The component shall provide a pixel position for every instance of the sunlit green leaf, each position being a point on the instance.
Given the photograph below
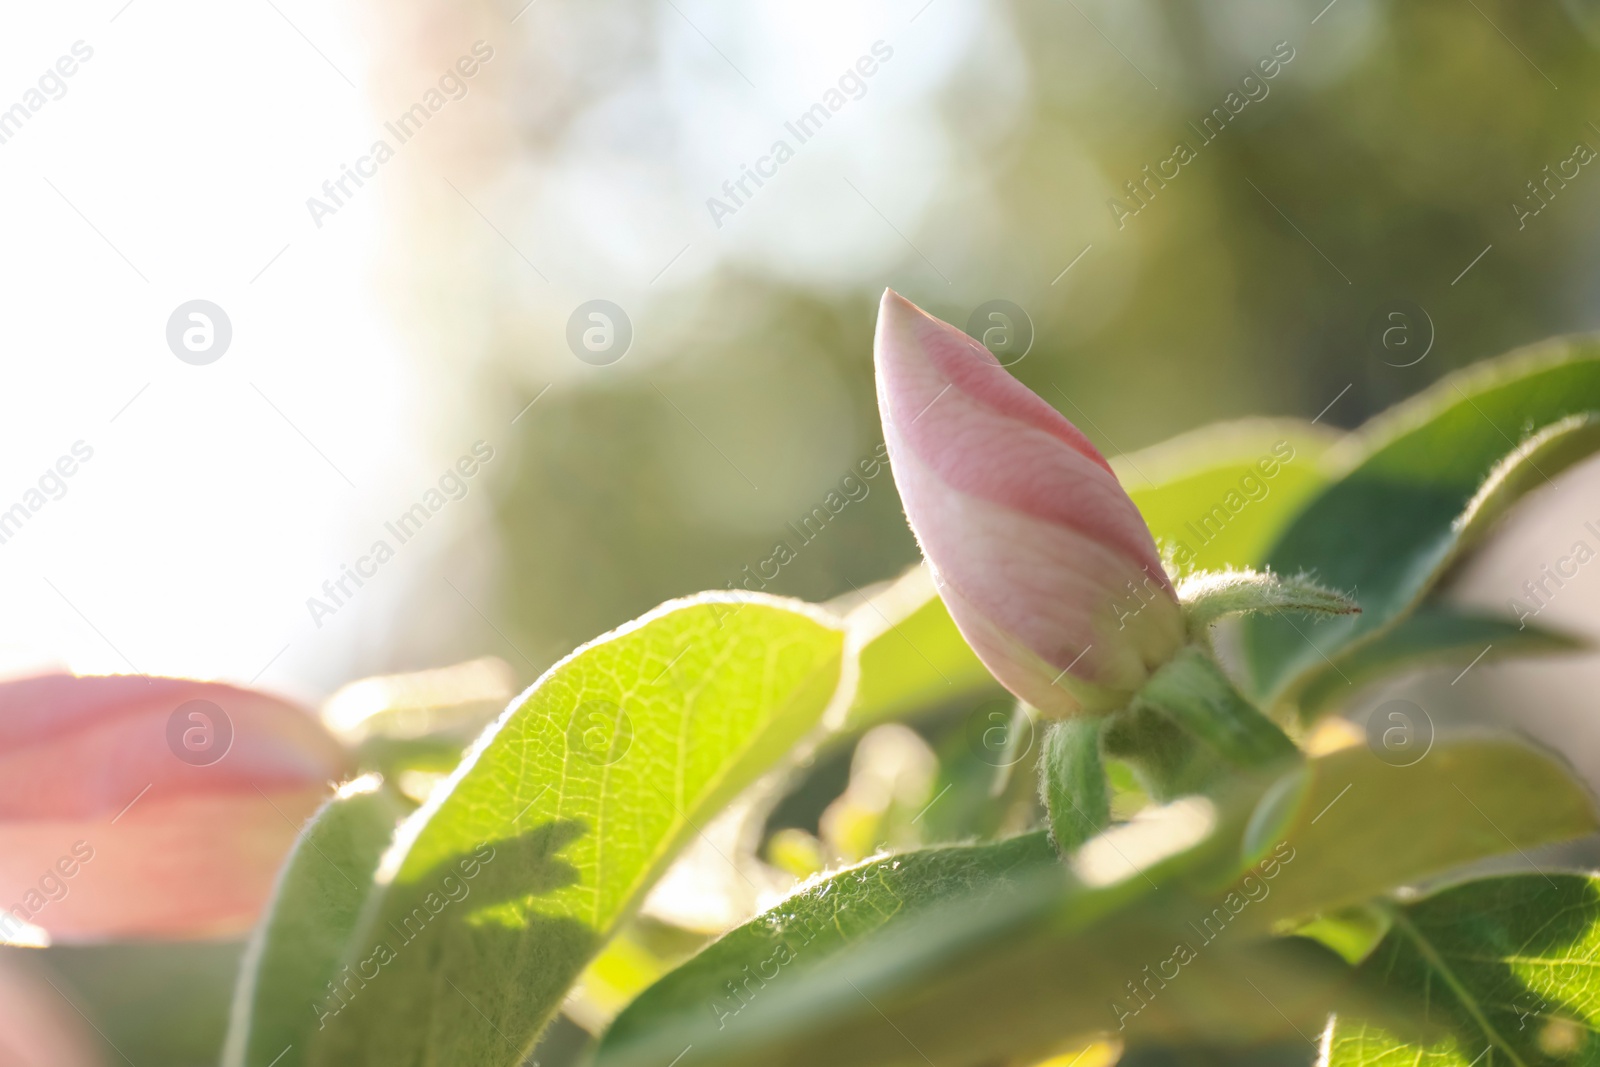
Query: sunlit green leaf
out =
(1351, 932)
(1507, 971)
(1058, 956)
(980, 970)
(820, 920)
(1217, 497)
(511, 878)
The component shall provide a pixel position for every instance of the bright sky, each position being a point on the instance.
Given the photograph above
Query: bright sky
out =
(173, 165)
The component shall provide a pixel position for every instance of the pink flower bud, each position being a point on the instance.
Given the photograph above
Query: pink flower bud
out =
(149, 807)
(1046, 566)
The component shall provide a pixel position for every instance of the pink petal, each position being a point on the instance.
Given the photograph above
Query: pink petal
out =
(176, 847)
(1044, 562)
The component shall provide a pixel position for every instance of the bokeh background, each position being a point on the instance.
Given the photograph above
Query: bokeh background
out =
(375, 344)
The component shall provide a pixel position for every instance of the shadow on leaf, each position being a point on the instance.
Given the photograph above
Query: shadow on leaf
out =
(430, 964)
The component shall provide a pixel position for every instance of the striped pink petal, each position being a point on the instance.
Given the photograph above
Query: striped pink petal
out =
(1043, 561)
(135, 806)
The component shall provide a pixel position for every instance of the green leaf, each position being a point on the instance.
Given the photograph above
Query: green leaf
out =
(1029, 968)
(1218, 496)
(1351, 932)
(1362, 826)
(1193, 692)
(298, 945)
(1188, 728)
(1072, 783)
(1435, 634)
(518, 869)
(817, 922)
(1426, 480)
(984, 976)
(1507, 971)
(912, 655)
(1167, 761)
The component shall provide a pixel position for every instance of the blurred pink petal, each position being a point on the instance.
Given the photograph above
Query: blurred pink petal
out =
(1045, 564)
(38, 1026)
(149, 807)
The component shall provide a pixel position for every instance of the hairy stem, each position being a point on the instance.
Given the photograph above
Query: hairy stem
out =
(1072, 783)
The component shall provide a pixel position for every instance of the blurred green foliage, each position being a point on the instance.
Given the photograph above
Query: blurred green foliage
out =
(1386, 156)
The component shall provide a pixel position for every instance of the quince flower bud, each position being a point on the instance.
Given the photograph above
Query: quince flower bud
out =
(1045, 564)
